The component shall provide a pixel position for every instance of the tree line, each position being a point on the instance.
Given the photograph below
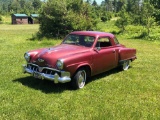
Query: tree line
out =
(58, 17)
(20, 6)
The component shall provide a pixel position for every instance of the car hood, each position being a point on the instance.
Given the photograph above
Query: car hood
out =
(49, 56)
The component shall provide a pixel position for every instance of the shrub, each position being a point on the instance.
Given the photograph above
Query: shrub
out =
(106, 16)
(62, 16)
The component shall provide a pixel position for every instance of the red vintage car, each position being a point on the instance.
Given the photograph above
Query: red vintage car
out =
(81, 54)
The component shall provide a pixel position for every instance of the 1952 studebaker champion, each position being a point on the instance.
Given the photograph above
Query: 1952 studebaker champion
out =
(81, 54)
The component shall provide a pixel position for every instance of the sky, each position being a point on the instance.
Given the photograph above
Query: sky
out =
(99, 1)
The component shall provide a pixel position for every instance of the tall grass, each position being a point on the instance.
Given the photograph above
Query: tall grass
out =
(132, 94)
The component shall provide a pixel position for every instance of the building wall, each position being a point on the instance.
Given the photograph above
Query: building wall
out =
(19, 20)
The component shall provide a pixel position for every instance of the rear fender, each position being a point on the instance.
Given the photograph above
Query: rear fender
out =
(127, 54)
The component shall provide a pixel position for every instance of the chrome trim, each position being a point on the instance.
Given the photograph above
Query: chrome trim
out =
(62, 78)
(44, 67)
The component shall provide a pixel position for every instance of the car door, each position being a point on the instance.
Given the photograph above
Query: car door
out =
(104, 56)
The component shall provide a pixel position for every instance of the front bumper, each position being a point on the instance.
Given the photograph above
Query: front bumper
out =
(47, 73)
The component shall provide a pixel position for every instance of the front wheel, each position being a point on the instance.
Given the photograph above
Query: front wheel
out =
(79, 79)
(126, 65)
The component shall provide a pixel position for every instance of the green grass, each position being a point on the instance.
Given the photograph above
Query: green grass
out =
(132, 94)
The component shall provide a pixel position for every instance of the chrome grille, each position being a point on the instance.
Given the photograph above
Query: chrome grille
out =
(45, 70)
(32, 67)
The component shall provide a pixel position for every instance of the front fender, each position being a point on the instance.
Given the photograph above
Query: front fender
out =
(73, 63)
(74, 67)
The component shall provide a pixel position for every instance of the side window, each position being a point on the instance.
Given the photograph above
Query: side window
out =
(103, 42)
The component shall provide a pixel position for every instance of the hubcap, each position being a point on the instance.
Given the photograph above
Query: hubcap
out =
(82, 79)
(126, 65)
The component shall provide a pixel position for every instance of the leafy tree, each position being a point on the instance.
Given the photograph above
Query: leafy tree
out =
(123, 20)
(134, 8)
(156, 5)
(15, 6)
(120, 4)
(115, 5)
(106, 16)
(107, 5)
(147, 16)
(22, 3)
(94, 3)
(36, 4)
(88, 1)
(129, 6)
(20, 6)
(28, 8)
(62, 16)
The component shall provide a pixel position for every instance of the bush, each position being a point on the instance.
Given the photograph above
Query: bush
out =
(60, 17)
(106, 16)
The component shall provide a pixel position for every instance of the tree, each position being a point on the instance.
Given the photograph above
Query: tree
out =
(129, 6)
(120, 4)
(94, 3)
(20, 6)
(134, 8)
(22, 3)
(60, 17)
(28, 8)
(15, 6)
(115, 5)
(147, 16)
(156, 5)
(36, 4)
(123, 20)
(88, 1)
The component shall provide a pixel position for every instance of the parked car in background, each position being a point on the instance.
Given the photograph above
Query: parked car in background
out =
(81, 54)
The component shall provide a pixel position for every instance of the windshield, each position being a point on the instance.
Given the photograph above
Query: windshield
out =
(81, 40)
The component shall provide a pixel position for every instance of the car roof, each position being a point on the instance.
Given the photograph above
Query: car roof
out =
(93, 33)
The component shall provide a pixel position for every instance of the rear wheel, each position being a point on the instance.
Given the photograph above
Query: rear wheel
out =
(126, 65)
(79, 79)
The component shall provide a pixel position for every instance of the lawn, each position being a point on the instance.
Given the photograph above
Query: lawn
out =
(132, 94)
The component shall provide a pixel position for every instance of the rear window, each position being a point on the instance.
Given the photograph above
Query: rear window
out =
(116, 40)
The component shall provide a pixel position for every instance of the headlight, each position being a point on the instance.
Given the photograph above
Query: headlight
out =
(27, 57)
(59, 64)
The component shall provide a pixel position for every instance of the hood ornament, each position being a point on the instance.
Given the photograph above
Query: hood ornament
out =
(40, 60)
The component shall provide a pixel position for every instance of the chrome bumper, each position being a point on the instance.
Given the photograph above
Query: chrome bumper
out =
(63, 78)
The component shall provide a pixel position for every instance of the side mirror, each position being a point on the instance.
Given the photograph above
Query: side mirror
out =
(97, 48)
